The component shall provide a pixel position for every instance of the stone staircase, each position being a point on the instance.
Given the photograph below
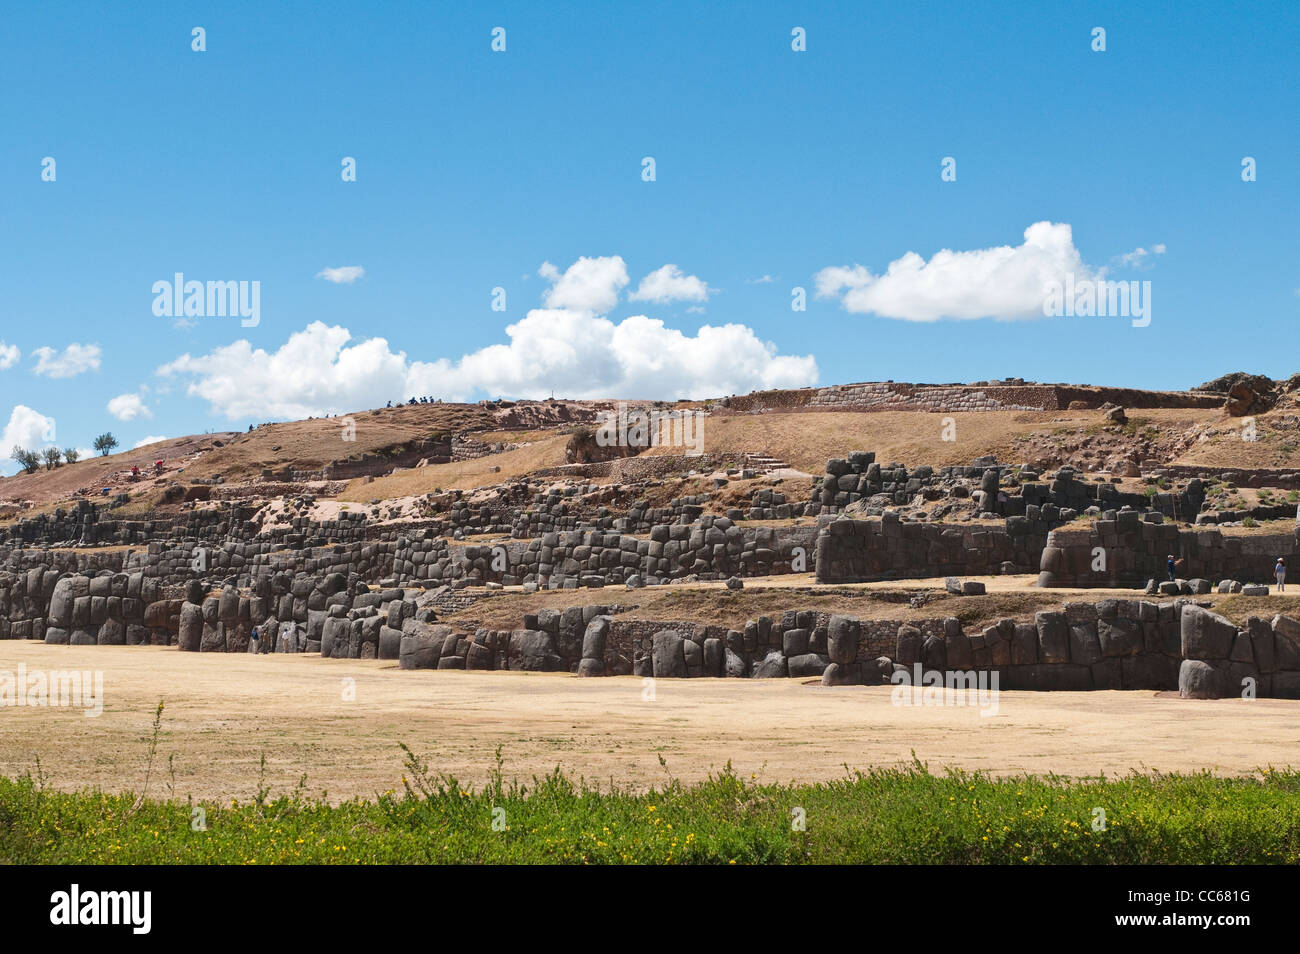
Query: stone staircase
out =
(763, 463)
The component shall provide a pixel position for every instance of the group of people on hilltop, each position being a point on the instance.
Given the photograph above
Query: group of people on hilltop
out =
(428, 399)
(1279, 570)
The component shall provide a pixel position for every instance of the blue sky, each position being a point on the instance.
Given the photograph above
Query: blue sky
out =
(476, 168)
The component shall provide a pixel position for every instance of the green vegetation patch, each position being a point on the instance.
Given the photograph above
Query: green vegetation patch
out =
(907, 816)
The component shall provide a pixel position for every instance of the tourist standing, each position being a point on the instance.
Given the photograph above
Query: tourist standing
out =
(1279, 571)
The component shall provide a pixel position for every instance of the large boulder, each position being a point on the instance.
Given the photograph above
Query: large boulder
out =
(668, 654)
(533, 650)
(1119, 637)
(228, 605)
(1205, 635)
(907, 647)
(593, 638)
(1085, 647)
(191, 628)
(807, 664)
(213, 638)
(1200, 680)
(735, 665)
(60, 613)
(334, 638)
(390, 642)
(837, 674)
(112, 633)
(714, 650)
(843, 635)
(771, 666)
(421, 645)
(1286, 642)
(1053, 637)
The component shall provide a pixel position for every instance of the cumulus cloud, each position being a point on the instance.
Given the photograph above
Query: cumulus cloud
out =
(571, 351)
(589, 284)
(9, 355)
(322, 370)
(1004, 282)
(151, 439)
(68, 363)
(669, 284)
(343, 275)
(1138, 258)
(127, 407)
(28, 429)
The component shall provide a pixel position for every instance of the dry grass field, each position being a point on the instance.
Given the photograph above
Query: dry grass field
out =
(461, 475)
(224, 712)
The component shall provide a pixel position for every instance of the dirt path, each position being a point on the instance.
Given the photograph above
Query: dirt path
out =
(222, 712)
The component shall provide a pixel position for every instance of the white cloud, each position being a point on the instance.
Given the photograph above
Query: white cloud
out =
(9, 355)
(669, 284)
(569, 351)
(127, 407)
(1003, 282)
(28, 429)
(589, 284)
(73, 360)
(765, 280)
(151, 439)
(1138, 257)
(320, 370)
(343, 275)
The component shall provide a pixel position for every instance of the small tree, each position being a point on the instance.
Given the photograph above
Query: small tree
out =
(26, 459)
(104, 444)
(53, 457)
(71, 455)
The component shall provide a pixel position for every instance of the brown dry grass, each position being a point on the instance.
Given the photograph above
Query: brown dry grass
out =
(310, 445)
(1276, 449)
(46, 488)
(713, 604)
(461, 475)
(806, 440)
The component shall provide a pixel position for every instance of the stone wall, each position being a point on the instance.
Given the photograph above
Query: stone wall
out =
(888, 548)
(957, 398)
(1113, 644)
(1220, 660)
(1127, 550)
(995, 489)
